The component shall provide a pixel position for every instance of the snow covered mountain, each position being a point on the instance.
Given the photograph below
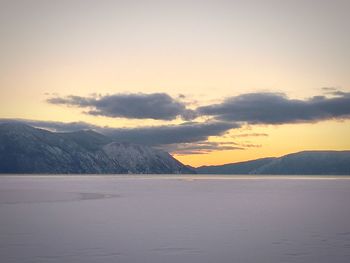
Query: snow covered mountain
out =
(303, 163)
(24, 149)
(142, 159)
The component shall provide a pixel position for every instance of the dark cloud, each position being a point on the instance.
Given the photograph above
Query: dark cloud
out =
(169, 134)
(158, 106)
(154, 136)
(277, 108)
(191, 137)
(252, 108)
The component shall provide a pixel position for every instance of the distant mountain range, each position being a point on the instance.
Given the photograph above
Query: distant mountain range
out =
(24, 149)
(303, 163)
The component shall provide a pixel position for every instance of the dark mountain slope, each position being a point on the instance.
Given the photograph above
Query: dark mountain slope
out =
(309, 162)
(234, 168)
(24, 149)
(306, 162)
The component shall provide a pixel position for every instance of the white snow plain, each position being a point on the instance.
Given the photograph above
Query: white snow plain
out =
(172, 219)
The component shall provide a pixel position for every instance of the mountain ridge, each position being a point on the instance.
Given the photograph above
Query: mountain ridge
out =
(309, 162)
(25, 149)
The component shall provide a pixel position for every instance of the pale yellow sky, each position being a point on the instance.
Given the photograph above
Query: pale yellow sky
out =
(280, 140)
(206, 50)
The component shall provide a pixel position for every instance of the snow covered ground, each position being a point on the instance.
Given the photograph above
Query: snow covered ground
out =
(176, 219)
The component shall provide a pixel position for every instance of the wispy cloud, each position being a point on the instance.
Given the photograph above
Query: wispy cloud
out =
(201, 147)
(249, 135)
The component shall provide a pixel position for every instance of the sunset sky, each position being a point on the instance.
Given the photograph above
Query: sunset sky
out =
(210, 81)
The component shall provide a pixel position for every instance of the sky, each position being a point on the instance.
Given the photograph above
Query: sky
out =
(210, 81)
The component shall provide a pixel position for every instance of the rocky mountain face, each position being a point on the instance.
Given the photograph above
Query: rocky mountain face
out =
(24, 149)
(303, 163)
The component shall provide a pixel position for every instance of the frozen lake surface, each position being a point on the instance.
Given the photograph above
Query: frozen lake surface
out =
(175, 219)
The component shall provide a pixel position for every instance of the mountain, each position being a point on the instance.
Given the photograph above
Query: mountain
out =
(234, 168)
(309, 162)
(141, 159)
(304, 163)
(24, 149)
